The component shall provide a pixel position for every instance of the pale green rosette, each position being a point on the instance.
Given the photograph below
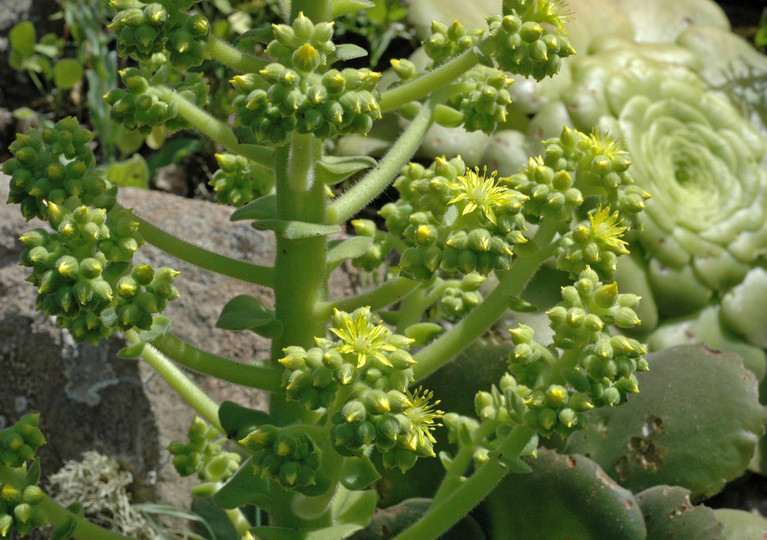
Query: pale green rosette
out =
(706, 223)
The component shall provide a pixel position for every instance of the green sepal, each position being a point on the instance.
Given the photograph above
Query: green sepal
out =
(348, 51)
(244, 488)
(33, 473)
(160, 327)
(353, 507)
(336, 532)
(238, 421)
(295, 229)
(513, 464)
(339, 8)
(262, 208)
(66, 530)
(349, 248)
(358, 473)
(520, 306)
(423, 332)
(245, 312)
(132, 351)
(334, 169)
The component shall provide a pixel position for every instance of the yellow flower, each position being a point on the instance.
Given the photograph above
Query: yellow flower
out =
(422, 416)
(484, 192)
(361, 336)
(607, 229)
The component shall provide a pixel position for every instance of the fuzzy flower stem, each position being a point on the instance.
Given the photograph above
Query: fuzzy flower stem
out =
(265, 378)
(209, 126)
(182, 384)
(228, 55)
(244, 271)
(385, 295)
(454, 474)
(445, 514)
(422, 86)
(512, 282)
(364, 191)
(58, 515)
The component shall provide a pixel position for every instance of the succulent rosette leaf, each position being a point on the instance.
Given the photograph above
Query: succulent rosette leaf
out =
(705, 225)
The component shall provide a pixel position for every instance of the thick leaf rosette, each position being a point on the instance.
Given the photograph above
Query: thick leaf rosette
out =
(706, 224)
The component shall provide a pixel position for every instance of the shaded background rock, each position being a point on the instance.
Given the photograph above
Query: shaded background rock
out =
(89, 398)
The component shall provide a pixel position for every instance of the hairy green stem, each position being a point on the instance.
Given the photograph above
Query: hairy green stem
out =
(211, 127)
(422, 86)
(244, 271)
(460, 463)
(265, 378)
(380, 297)
(512, 282)
(460, 502)
(57, 514)
(182, 384)
(236, 59)
(364, 191)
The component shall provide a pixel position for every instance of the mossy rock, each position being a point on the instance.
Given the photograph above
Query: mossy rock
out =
(695, 423)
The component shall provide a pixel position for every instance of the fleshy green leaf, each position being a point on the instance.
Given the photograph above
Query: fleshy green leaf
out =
(295, 229)
(33, 473)
(349, 51)
(160, 326)
(22, 37)
(334, 169)
(262, 208)
(132, 172)
(244, 488)
(65, 530)
(358, 473)
(245, 312)
(66, 73)
(238, 421)
(132, 351)
(353, 507)
(423, 332)
(343, 7)
(669, 514)
(349, 248)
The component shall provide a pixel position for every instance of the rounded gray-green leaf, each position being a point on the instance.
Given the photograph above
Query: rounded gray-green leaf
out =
(743, 308)
(695, 423)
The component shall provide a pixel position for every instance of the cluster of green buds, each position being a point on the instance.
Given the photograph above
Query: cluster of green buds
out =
(594, 369)
(449, 41)
(529, 37)
(497, 411)
(18, 508)
(362, 380)
(56, 165)
(459, 297)
(376, 253)
(237, 181)
(19, 442)
(87, 258)
(303, 94)
(203, 454)
(454, 219)
(138, 107)
(144, 29)
(18, 499)
(481, 101)
(287, 455)
(596, 244)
